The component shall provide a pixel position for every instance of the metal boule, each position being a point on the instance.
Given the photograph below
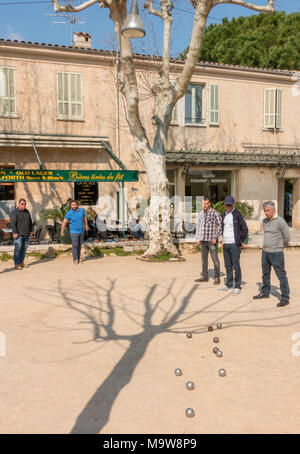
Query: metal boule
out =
(219, 354)
(190, 385)
(216, 340)
(189, 412)
(219, 325)
(178, 372)
(215, 350)
(210, 328)
(189, 335)
(222, 372)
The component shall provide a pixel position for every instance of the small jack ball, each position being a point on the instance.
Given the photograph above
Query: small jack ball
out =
(215, 350)
(210, 328)
(216, 340)
(178, 372)
(189, 335)
(189, 412)
(219, 325)
(222, 372)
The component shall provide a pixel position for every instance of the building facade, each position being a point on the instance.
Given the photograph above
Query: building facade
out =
(235, 132)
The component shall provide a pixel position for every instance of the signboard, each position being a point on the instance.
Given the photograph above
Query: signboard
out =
(45, 175)
(86, 193)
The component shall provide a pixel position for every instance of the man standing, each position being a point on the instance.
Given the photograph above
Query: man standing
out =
(22, 229)
(276, 237)
(235, 231)
(207, 234)
(78, 223)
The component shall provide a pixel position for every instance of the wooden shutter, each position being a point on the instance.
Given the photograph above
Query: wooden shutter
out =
(7, 91)
(69, 96)
(278, 109)
(214, 105)
(269, 107)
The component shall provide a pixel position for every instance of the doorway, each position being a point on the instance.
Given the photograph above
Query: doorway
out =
(288, 202)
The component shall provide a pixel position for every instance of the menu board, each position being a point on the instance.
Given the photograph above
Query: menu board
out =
(86, 193)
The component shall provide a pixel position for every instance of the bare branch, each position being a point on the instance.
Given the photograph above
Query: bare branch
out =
(72, 9)
(262, 9)
(149, 5)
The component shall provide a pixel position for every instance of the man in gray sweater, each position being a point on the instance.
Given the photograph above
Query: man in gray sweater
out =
(276, 237)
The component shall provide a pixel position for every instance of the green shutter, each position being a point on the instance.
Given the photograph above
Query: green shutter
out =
(214, 105)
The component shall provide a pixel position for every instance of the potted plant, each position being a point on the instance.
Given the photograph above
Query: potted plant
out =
(58, 214)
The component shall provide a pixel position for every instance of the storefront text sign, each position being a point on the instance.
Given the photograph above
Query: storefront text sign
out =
(14, 175)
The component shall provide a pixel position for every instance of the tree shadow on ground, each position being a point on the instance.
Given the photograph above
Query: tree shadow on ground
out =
(102, 318)
(164, 309)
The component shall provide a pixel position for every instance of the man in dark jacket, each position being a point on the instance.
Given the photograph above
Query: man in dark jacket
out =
(22, 229)
(234, 231)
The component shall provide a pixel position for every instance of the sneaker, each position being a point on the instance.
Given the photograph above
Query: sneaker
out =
(18, 267)
(202, 279)
(236, 291)
(23, 265)
(217, 281)
(224, 289)
(283, 303)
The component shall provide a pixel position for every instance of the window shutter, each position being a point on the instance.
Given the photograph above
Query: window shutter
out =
(7, 91)
(69, 99)
(278, 109)
(269, 107)
(214, 111)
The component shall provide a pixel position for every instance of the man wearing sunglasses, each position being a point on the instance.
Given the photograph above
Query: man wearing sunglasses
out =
(22, 229)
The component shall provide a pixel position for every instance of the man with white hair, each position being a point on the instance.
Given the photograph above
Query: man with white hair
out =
(276, 237)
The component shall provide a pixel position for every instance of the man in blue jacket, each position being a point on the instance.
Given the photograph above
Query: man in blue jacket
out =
(234, 231)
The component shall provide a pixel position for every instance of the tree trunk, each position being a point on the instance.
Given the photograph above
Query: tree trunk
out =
(159, 208)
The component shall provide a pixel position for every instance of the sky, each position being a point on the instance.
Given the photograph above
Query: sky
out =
(33, 20)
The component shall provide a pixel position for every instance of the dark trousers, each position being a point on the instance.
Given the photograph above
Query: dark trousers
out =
(207, 246)
(21, 245)
(275, 260)
(77, 241)
(232, 255)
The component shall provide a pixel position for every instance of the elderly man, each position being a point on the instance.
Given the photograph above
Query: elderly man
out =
(276, 237)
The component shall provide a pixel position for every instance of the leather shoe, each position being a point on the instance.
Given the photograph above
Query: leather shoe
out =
(217, 281)
(283, 303)
(202, 279)
(260, 296)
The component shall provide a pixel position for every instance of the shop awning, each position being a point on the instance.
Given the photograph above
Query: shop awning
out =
(247, 158)
(51, 140)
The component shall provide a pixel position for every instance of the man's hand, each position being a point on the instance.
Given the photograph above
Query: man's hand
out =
(214, 241)
(15, 236)
(62, 233)
(198, 242)
(287, 245)
(243, 245)
(30, 235)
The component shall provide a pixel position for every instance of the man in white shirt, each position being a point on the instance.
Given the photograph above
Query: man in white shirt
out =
(235, 231)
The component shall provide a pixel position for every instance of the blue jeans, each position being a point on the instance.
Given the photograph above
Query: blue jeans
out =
(275, 259)
(77, 241)
(21, 245)
(232, 255)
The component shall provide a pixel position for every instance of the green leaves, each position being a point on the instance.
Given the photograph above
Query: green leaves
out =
(265, 41)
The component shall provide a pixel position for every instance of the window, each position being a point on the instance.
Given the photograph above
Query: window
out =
(194, 105)
(272, 108)
(214, 107)
(69, 96)
(8, 106)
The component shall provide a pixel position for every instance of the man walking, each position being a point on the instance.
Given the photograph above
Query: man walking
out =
(207, 234)
(78, 223)
(235, 231)
(276, 237)
(22, 229)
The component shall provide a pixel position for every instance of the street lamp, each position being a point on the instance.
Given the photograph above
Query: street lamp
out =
(133, 27)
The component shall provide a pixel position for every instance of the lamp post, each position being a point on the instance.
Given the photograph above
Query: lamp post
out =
(133, 27)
